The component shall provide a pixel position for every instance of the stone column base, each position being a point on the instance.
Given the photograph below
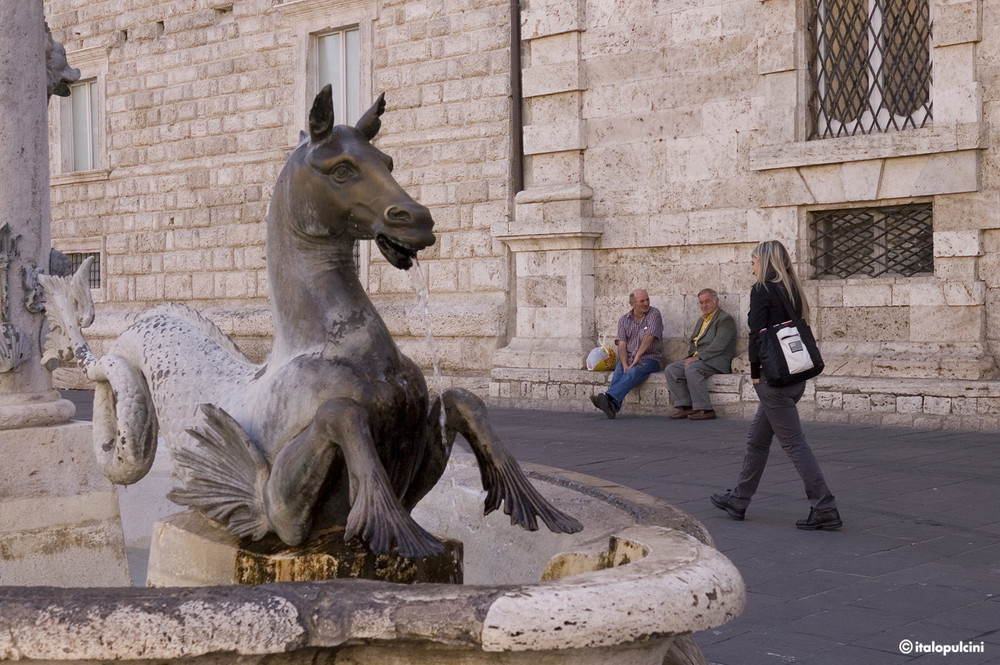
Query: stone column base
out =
(34, 410)
(189, 549)
(59, 521)
(543, 354)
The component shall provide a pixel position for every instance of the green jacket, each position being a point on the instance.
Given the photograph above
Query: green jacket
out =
(717, 346)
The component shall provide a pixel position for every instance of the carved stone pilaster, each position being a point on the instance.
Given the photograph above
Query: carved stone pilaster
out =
(553, 232)
(26, 395)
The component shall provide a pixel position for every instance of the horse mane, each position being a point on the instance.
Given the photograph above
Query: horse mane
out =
(195, 318)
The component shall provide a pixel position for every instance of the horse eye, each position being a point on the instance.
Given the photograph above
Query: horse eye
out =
(342, 172)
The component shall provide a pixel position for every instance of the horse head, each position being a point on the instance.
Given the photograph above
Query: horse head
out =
(346, 190)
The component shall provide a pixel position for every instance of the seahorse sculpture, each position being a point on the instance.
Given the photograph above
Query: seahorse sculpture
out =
(336, 427)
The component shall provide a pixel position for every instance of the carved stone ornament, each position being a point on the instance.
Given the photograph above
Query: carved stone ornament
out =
(15, 347)
(59, 74)
(34, 298)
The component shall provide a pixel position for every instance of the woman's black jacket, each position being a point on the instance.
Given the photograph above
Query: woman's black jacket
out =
(767, 309)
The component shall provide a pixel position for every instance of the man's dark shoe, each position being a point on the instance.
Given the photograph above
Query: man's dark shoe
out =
(702, 415)
(725, 502)
(603, 402)
(821, 519)
(680, 412)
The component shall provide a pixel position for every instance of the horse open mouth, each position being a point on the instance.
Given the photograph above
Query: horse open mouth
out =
(399, 255)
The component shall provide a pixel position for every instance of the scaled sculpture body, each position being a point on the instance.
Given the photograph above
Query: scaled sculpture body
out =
(336, 427)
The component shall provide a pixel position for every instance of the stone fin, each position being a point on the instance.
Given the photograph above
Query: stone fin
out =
(225, 475)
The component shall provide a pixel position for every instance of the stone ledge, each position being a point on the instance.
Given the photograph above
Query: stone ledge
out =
(940, 403)
(925, 141)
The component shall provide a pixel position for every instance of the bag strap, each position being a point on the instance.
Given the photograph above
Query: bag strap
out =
(786, 303)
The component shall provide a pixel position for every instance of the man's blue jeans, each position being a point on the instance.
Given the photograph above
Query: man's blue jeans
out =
(622, 382)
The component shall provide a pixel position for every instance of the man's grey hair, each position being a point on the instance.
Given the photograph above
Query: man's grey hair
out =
(710, 292)
(631, 296)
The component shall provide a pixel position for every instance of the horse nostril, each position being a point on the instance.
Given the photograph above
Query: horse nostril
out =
(397, 215)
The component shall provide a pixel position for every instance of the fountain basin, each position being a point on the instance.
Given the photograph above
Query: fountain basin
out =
(629, 588)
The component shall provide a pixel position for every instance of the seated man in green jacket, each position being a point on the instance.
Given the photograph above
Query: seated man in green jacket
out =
(711, 351)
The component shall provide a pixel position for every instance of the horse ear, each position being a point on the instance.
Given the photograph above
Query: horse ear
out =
(321, 115)
(370, 123)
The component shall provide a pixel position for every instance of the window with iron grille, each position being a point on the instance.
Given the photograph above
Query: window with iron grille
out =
(77, 259)
(870, 63)
(873, 242)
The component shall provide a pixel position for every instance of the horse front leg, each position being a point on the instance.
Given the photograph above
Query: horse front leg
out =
(300, 470)
(502, 477)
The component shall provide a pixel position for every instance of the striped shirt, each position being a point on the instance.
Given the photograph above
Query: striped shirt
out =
(633, 331)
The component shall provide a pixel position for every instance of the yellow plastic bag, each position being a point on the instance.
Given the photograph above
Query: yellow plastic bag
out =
(602, 358)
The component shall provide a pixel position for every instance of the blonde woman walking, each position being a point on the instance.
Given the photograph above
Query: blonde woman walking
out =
(777, 414)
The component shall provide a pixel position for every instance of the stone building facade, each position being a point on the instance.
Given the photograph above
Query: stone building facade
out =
(643, 144)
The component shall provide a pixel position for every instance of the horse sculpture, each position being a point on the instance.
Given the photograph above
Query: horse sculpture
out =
(336, 427)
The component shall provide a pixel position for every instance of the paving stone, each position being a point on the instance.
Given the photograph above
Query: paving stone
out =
(840, 623)
(980, 617)
(842, 654)
(922, 600)
(927, 633)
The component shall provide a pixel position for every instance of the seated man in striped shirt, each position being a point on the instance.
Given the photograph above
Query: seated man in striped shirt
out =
(640, 349)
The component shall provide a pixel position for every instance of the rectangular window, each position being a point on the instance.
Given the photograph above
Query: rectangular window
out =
(873, 242)
(338, 62)
(84, 126)
(77, 259)
(870, 65)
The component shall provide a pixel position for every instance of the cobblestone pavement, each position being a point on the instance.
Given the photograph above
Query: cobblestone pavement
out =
(918, 558)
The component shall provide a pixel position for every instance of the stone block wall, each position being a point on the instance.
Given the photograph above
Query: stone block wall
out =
(444, 68)
(196, 103)
(200, 105)
(672, 100)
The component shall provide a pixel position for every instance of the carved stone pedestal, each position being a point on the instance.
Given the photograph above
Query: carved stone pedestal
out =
(58, 515)
(190, 550)
(552, 241)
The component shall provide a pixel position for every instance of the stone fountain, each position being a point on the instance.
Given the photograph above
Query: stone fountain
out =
(336, 434)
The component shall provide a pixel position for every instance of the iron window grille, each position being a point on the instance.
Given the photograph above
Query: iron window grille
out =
(873, 242)
(870, 65)
(77, 259)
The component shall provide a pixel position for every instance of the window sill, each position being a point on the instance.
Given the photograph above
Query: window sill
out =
(77, 177)
(907, 143)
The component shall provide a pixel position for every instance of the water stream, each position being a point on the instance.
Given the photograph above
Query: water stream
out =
(420, 284)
